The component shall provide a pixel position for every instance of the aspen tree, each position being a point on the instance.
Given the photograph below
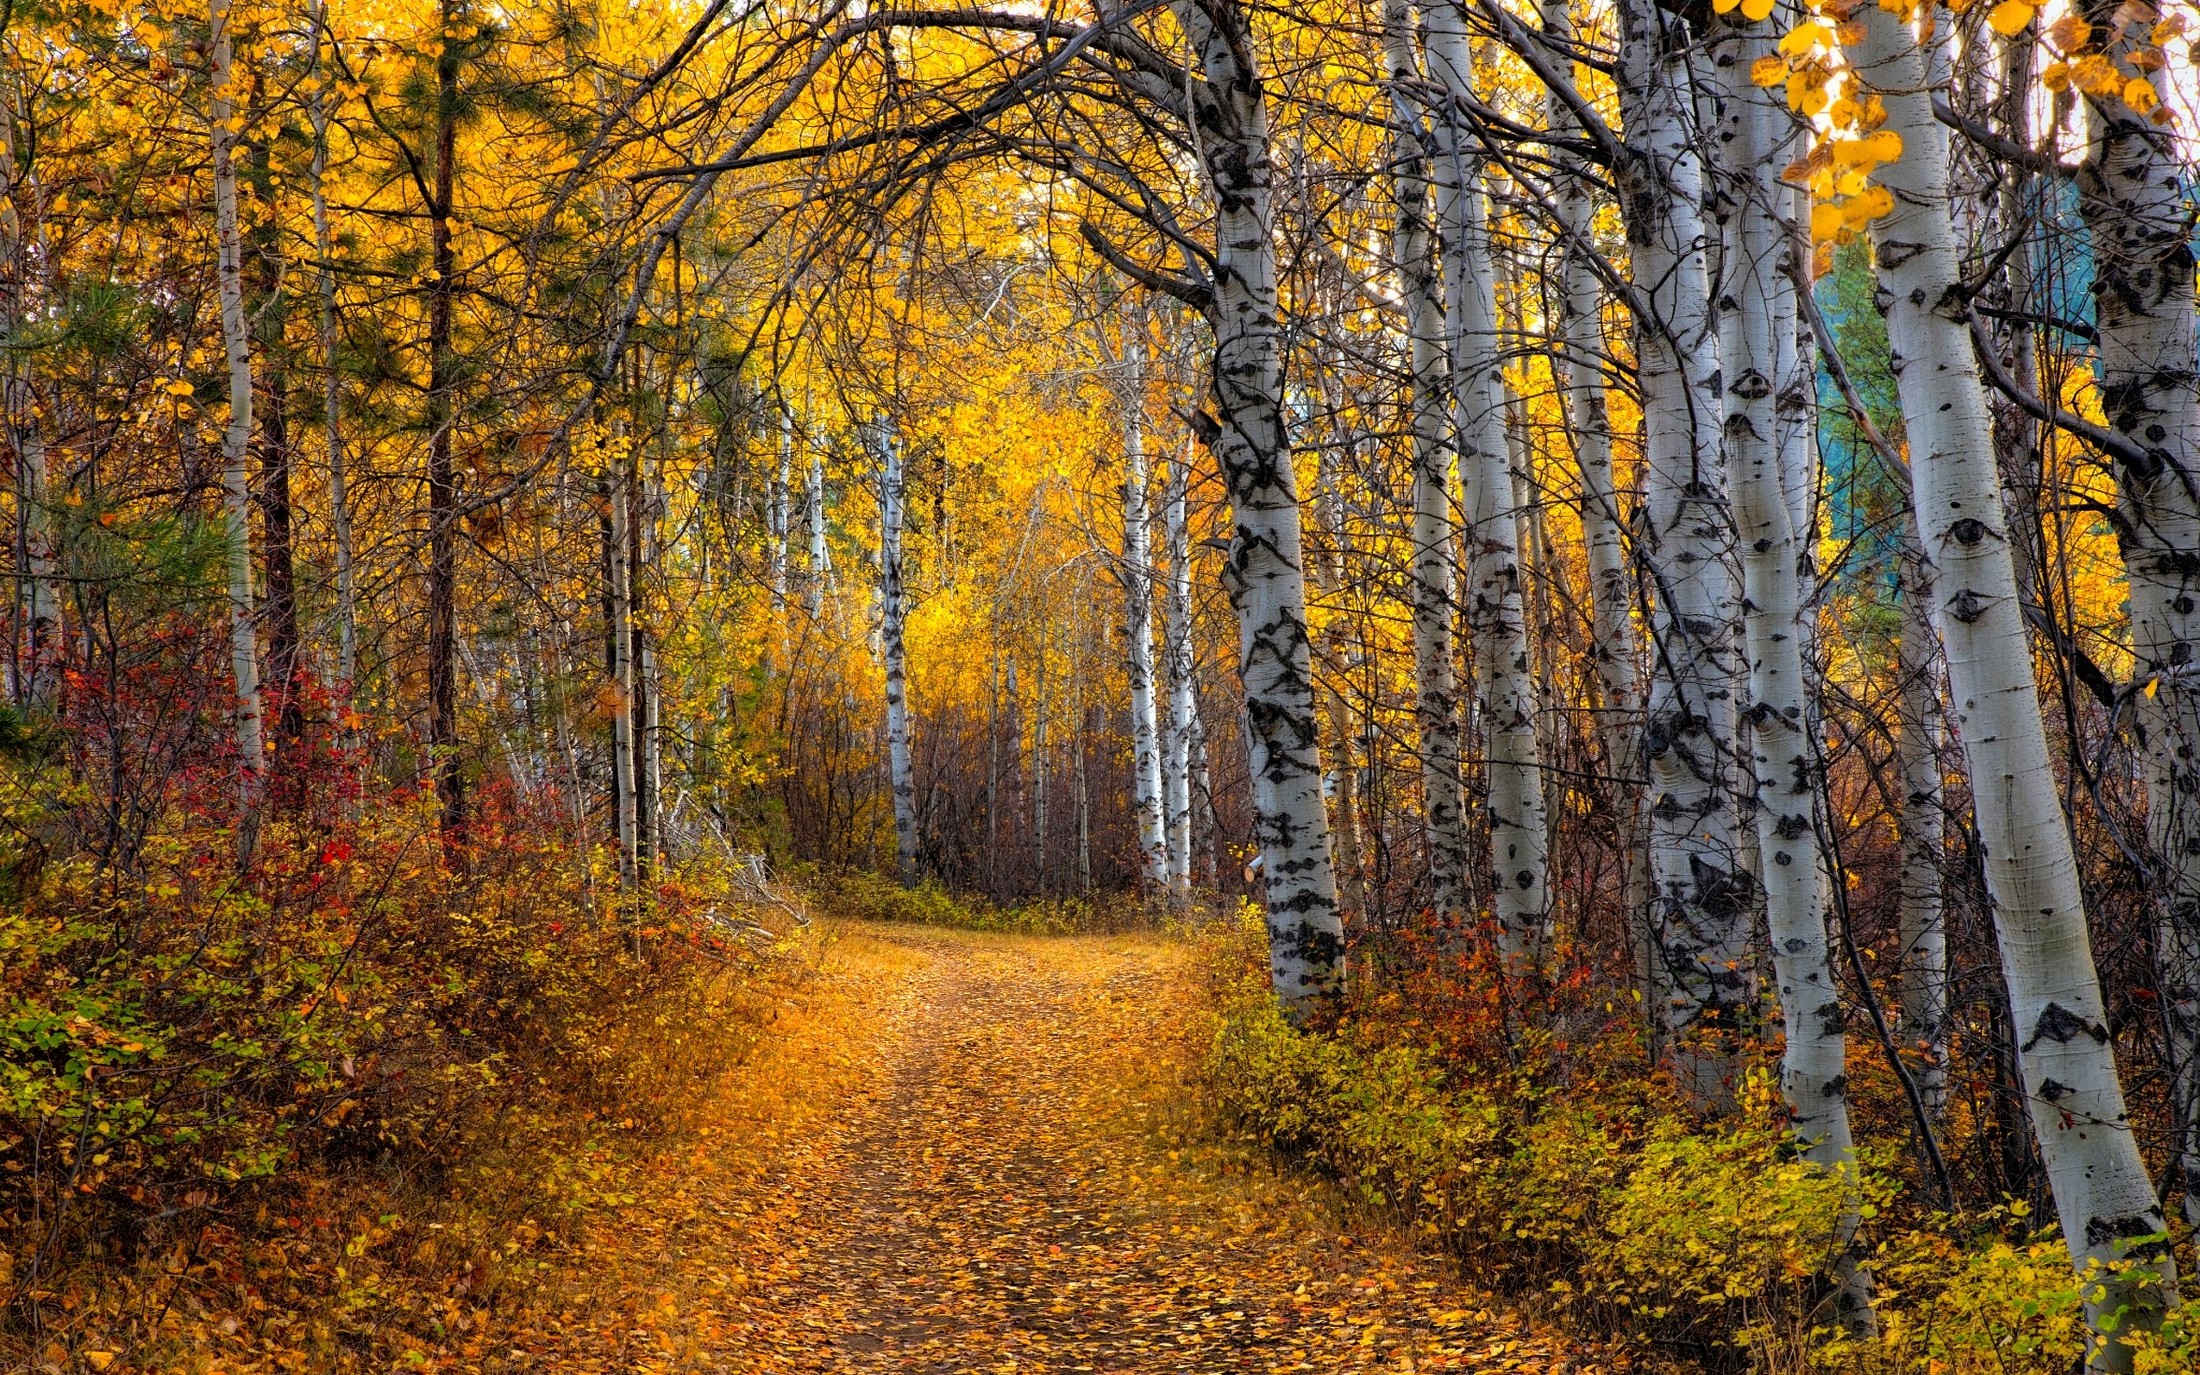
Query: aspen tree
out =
(1923, 918)
(244, 650)
(1136, 578)
(1704, 895)
(324, 270)
(1435, 535)
(1266, 566)
(2133, 194)
(1505, 696)
(1177, 659)
(893, 650)
(2106, 1202)
(1784, 772)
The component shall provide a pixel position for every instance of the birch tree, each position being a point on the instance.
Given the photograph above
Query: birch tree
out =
(1135, 574)
(2103, 1196)
(1177, 661)
(1703, 892)
(2134, 198)
(1813, 1065)
(893, 650)
(244, 652)
(1505, 695)
(1266, 566)
(1433, 572)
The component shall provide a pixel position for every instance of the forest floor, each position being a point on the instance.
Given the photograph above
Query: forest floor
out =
(964, 1152)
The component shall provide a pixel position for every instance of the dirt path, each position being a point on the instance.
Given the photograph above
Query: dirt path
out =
(969, 1154)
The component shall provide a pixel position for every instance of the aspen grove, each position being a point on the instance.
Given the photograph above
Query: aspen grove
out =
(1605, 588)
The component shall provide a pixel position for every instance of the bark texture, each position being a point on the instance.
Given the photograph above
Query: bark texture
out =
(244, 651)
(1266, 566)
(2132, 194)
(2103, 1195)
(1434, 572)
(1704, 894)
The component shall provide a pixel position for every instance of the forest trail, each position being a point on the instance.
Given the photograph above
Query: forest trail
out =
(973, 1153)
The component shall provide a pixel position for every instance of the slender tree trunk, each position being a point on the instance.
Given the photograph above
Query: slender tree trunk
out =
(2102, 1193)
(40, 643)
(450, 781)
(1704, 896)
(1614, 645)
(1505, 695)
(267, 313)
(901, 778)
(1177, 655)
(820, 571)
(1266, 566)
(1433, 578)
(2132, 193)
(324, 259)
(620, 560)
(244, 650)
(1813, 1066)
(1925, 985)
(1137, 582)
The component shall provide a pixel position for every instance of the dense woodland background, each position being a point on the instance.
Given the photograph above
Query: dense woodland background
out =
(1655, 544)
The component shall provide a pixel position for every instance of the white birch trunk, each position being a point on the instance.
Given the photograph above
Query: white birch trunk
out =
(244, 654)
(1177, 652)
(1266, 564)
(1433, 577)
(332, 433)
(2102, 1193)
(821, 556)
(2133, 196)
(1505, 696)
(622, 679)
(1703, 898)
(1813, 1071)
(780, 514)
(1137, 583)
(900, 775)
(1614, 646)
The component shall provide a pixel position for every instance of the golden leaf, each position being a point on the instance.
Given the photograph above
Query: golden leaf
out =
(2097, 76)
(2069, 33)
(1755, 10)
(2139, 94)
(2010, 18)
(1768, 71)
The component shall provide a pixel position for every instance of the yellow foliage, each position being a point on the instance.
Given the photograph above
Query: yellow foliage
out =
(2010, 17)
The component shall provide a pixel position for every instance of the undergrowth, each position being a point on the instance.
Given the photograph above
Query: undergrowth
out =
(863, 896)
(343, 1108)
(1561, 1170)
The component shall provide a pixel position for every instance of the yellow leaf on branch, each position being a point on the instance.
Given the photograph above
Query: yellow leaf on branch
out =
(2010, 18)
